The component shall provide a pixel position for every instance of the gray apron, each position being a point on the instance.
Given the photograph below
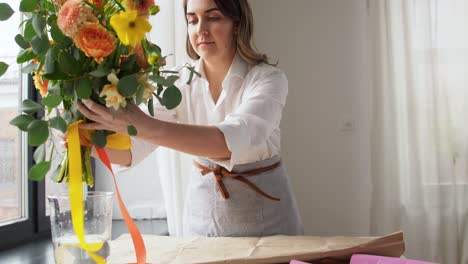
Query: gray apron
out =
(246, 213)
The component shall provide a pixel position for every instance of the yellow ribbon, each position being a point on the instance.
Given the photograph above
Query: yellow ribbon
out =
(116, 141)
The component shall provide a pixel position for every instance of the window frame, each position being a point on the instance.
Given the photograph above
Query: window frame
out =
(37, 224)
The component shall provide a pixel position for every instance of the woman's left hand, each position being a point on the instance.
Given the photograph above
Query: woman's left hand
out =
(108, 118)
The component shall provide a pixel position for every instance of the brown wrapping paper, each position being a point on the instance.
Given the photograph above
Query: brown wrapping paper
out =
(246, 250)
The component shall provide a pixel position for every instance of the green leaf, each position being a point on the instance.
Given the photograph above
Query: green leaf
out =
(171, 80)
(30, 107)
(102, 70)
(39, 24)
(22, 121)
(68, 91)
(84, 89)
(39, 154)
(3, 68)
(52, 100)
(40, 44)
(172, 97)
(68, 64)
(99, 138)
(58, 123)
(25, 55)
(59, 38)
(129, 63)
(29, 32)
(151, 107)
(139, 94)
(127, 85)
(19, 39)
(132, 131)
(38, 132)
(49, 64)
(157, 79)
(39, 171)
(5, 11)
(28, 5)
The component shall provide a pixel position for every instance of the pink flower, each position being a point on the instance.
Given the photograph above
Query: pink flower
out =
(72, 16)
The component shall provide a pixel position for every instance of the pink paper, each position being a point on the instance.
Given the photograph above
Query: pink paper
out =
(369, 259)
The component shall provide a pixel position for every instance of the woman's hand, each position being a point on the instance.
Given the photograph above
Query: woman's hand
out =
(110, 119)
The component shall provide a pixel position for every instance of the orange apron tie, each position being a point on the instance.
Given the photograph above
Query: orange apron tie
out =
(221, 172)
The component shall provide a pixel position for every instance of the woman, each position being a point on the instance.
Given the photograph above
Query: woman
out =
(229, 119)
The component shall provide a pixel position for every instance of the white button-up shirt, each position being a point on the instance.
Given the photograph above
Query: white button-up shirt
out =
(248, 111)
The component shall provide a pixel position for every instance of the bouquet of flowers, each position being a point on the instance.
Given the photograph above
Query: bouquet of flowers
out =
(81, 49)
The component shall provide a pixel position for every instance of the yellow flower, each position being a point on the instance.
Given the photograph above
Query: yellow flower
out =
(153, 58)
(40, 83)
(130, 28)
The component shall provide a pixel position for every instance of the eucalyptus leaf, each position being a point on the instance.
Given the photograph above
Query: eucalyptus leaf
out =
(99, 139)
(171, 80)
(3, 68)
(25, 55)
(39, 24)
(127, 85)
(132, 131)
(30, 107)
(28, 5)
(39, 171)
(58, 123)
(29, 32)
(68, 64)
(151, 107)
(38, 132)
(39, 154)
(84, 89)
(59, 38)
(5, 11)
(19, 39)
(49, 64)
(172, 97)
(22, 121)
(40, 44)
(139, 94)
(52, 100)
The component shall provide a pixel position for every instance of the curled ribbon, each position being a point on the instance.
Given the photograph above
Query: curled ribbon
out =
(114, 141)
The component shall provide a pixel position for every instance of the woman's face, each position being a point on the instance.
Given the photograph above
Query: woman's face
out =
(210, 32)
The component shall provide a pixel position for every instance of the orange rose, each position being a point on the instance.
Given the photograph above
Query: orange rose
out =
(95, 41)
(41, 85)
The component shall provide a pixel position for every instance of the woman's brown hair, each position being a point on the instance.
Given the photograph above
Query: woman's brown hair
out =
(241, 13)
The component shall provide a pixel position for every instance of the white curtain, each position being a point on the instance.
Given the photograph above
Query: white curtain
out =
(419, 141)
(169, 31)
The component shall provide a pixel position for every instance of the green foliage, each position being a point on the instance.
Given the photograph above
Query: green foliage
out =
(5, 12)
(171, 97)
(3, 68)
(39, 171)
(68, 72)
(127, 85)
(38, 132)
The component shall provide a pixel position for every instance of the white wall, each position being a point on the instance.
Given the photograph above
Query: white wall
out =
(321, 44)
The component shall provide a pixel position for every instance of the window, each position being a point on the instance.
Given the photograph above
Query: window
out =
(22, 204)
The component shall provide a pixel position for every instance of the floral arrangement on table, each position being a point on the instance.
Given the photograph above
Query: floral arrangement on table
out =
(80, 49)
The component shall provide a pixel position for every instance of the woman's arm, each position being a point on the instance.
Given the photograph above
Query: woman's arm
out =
(205, 141)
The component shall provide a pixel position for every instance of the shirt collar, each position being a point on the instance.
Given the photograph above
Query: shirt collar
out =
(239, 67)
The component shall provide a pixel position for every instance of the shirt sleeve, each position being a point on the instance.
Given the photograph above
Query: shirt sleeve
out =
(258, 115)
